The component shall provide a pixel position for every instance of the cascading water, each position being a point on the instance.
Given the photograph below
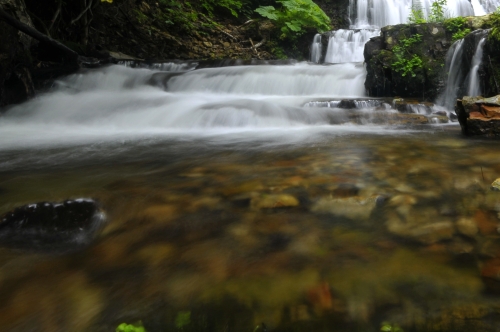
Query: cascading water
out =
(177, 97)
(123, 102)
(348, 45)
(316, 49)
(368, 16)
(474, 87)
(463, 71)
(379, 13)
(453, 67)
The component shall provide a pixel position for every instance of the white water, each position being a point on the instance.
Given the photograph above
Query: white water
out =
(374, 14)
(455, 75)
(117, 102)
(368, 16)
(462, 79)
(316, 49)
(474, 88)
(348, 45)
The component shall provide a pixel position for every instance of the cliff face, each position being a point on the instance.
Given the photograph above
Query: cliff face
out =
(424, 81)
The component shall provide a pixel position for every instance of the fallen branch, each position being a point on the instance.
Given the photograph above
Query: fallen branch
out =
(259, 44)
(37, 35)
(246, 23)
(226, 33)
(255, 46)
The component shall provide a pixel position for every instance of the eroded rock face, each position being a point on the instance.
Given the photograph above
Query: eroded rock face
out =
(479, 116)
(65, 226)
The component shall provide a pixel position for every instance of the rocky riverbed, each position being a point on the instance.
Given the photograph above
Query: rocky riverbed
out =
(345, 230)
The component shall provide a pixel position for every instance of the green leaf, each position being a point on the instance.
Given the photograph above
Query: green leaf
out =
(268, 12)
(183, 319)
(124, 327)
(296, 15)
(293, 26)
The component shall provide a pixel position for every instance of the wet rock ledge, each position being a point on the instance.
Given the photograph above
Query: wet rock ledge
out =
(479, 116)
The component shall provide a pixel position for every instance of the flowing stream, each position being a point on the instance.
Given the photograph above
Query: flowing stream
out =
(253, 198)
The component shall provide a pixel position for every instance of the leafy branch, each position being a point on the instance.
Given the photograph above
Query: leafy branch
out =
(406, 62)
(458, 27)
(295, 16)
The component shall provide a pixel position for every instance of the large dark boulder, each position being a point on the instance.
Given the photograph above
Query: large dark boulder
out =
(384, 81)
(65, 226)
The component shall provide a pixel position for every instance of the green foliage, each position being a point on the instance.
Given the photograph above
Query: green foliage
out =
(295, 16)
(176, 14)
(438, 11)
(183, 319)
(388, 327)
(494, 35)
(417, 14)
(406, 62)
(124, 327)
(232, 5)
(183, 15)
(141, 18)
(458, 27)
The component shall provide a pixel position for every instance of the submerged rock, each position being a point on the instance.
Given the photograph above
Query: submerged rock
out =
(356, 207)
(496, 185)
(467, 227)
(490, 273)
(46, 226)
(273, 201)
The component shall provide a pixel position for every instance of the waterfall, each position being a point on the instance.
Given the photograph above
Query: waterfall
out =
(348, 45)
(372, 14)
(316, 49)
(366, 17)
(474, 88)
(463, 68)
(488, 6)
(119, 102)
(453, 67)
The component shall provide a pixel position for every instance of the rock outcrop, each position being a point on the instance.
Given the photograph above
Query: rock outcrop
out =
(426, 80)
(479, 116)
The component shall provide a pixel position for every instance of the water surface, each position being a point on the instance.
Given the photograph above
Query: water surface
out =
(334, 231)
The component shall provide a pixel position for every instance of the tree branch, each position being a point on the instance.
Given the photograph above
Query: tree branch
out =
(82, 13)
(37, 34)
(56, 15)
